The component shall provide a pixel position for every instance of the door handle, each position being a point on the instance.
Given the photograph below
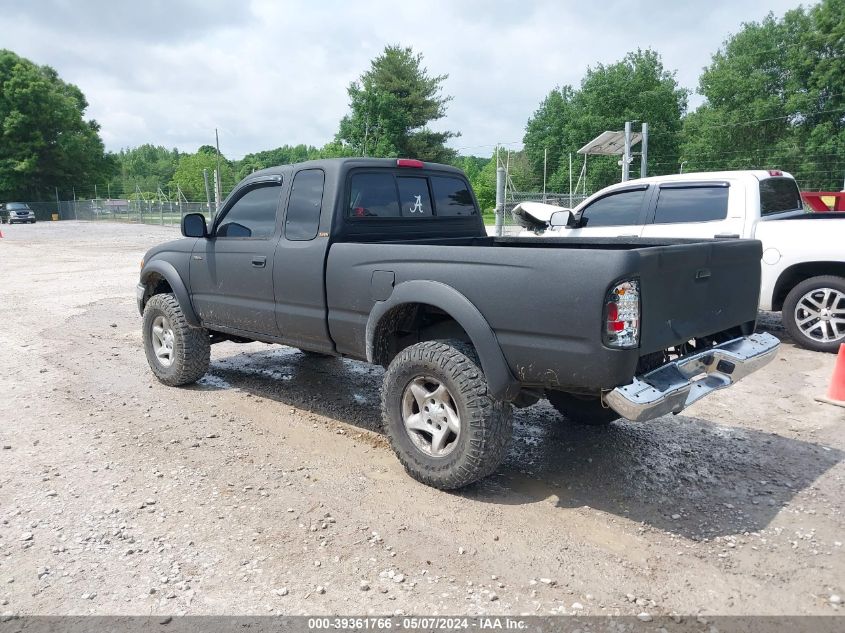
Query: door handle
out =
(727, 236)
(259, 262)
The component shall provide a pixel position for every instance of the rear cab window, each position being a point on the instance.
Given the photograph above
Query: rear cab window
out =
(779, 195)
(373, 195)
(452, 196)
(388, 194)
(414, 198)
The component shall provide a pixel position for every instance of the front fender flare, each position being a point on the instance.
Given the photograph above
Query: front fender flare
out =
(500, 380)
(166, 270)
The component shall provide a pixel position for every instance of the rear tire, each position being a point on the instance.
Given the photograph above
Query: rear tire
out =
(443, 425)
(810, 310)
(582, 409)
(178, 354)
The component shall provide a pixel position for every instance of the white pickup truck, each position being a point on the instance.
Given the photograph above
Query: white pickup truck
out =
(803, 268)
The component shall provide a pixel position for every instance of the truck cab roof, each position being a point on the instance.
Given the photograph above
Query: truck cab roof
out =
(382, 220)
(757, 175)
(344, 164)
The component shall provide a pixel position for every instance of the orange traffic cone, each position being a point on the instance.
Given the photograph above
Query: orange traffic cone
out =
(836, 392)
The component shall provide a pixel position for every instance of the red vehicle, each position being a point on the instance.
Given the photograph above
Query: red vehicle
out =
(815, 200)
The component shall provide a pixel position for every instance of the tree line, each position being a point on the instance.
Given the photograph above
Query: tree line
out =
(774, 97)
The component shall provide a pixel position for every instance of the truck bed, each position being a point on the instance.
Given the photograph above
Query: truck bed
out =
(550, 336)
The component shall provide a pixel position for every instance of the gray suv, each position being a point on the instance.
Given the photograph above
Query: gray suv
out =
(20, 212)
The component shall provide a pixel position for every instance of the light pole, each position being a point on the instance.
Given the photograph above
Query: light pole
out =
(683, 162)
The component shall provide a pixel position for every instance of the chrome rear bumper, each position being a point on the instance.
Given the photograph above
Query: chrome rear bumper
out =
(677, 384)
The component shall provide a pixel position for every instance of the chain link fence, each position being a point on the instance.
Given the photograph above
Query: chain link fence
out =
(161, 212)
(170, 213)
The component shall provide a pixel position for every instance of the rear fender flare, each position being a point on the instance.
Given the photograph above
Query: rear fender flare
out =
(166, 270)
(500, 381)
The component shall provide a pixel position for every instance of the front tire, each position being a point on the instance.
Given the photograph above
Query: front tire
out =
(582, 409)
(814, 313)
(442, 423)
(177, 353)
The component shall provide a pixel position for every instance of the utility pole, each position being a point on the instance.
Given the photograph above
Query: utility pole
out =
(644, 153)
(500, 199)
(218, 185)
(626, 157)
(207, 191)
(545, 163)
(58, 204)
(570, 180)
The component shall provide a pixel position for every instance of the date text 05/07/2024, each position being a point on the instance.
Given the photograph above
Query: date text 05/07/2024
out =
(417, 623)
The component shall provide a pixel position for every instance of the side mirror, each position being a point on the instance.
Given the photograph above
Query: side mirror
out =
(561, 218)
(193, 225)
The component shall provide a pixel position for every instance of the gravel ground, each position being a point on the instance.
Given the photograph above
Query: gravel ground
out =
(268, 488)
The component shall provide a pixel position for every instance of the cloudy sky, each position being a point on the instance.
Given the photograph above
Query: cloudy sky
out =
(266, 73)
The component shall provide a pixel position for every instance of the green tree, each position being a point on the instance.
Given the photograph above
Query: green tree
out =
(146, 166)
(482, 176)
(472, 166)
(391, 106)
(189, 177)
(549, 131)
(775, 98)
(284, 155)
(637, 88)
(484, 185)
(45, 141)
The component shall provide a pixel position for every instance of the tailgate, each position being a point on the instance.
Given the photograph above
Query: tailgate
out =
(697, 289)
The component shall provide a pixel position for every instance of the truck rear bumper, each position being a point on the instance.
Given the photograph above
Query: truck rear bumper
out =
(677, 384)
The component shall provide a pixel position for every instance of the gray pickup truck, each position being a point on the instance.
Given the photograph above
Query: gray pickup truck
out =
(388, 261)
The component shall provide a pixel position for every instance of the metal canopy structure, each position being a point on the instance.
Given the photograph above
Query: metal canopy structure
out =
(609, 144)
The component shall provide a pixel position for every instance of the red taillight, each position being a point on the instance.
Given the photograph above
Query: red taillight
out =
(409, 162)
(775, 172)
(622, 315)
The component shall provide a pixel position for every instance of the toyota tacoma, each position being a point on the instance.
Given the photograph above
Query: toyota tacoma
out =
(388, 261)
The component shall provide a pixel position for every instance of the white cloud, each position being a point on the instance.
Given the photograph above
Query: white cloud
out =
(277, 72)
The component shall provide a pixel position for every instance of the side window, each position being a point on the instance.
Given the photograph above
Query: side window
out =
(451, 196)
(373, 195)
(691, 204)
(616, 209)
(253, 215)
(306, 200)
(414, 197)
